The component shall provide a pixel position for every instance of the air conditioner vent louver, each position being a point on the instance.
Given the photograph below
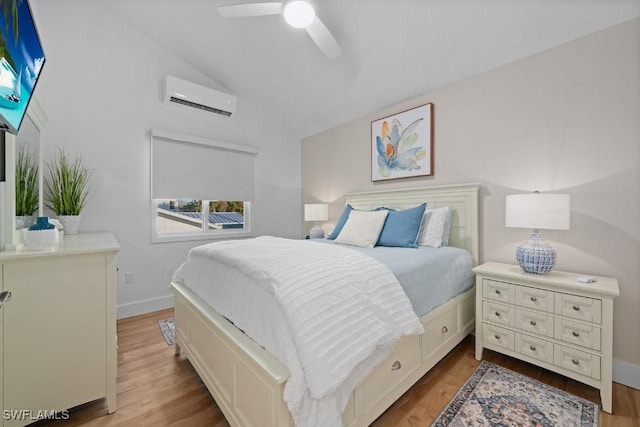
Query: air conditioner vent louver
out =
(180, 92)
(199, 106)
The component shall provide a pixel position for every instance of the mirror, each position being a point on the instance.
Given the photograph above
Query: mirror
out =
(28, 136)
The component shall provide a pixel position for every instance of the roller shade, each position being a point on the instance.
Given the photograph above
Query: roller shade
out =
(191, 167)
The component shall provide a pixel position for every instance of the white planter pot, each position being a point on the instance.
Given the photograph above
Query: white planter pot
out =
(70, 223)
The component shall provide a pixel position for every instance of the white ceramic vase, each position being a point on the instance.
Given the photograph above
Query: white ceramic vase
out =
(70, 223)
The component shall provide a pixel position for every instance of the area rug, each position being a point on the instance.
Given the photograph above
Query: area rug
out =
(495, 396)
(168, 329)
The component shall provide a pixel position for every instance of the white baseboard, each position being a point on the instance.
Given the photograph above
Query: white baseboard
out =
(626, 373)
(143, 307)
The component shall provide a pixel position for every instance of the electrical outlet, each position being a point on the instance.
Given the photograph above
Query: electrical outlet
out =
(128, 278)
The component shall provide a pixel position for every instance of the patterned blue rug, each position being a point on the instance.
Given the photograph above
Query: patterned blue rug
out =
(495, 396)
(168, 329)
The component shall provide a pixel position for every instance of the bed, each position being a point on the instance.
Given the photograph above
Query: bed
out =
(247, 382)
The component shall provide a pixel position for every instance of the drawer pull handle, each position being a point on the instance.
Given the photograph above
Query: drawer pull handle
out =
(496, 336)
(532, 347)
(533, 323)
(444, 330)
(497, 314)
(575, 361)
(396, 365)
(497, 291)
(575, 334)
(534, 299)
(576, 308)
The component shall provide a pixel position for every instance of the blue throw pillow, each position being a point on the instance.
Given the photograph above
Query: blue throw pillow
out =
(401, 227)
(341, 221)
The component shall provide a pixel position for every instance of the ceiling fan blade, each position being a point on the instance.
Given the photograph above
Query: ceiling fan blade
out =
(323, 38)
(250, 9)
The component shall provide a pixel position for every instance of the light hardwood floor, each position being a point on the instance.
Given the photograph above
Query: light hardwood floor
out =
(155, 388)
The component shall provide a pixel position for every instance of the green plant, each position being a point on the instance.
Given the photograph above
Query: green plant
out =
(26, 183)
(67, 186)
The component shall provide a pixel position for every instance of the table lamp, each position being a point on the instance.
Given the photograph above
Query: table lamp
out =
(316, 212)
(537, 211)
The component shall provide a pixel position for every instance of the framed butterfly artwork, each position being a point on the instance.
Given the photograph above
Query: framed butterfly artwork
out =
(402, 144)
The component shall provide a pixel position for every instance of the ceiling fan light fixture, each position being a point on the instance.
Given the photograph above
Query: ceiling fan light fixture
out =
(298, 13)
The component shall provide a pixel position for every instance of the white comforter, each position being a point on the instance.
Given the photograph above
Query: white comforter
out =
(342, 312)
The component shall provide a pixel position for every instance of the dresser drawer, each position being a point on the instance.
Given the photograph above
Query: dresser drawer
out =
(403, 360)
(578, 333)
(582, 308)
(498, 291)
(537, 299)
(534, 347)
(535, 322)
(581, 362)
(499, 313)
(498, 336)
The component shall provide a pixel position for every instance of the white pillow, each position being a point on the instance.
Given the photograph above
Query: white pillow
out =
(362, 228)
(434, 230)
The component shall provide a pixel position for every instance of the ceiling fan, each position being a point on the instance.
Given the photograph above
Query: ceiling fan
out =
(297, 13)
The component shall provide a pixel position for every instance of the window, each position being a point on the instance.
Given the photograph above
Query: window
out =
(218, 176)
(187, 219)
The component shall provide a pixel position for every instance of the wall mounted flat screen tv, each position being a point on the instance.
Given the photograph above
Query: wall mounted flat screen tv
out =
(21, 61)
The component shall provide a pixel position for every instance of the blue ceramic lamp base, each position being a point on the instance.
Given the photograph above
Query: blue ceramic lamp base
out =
(535, 256)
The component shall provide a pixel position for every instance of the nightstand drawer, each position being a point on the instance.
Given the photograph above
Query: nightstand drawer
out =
(537, 299)
(581, 362)
(578, 333)
(535, 322)
(498, 291)
(499, 313)
(582, 308)
(498, 336)
(534, 347)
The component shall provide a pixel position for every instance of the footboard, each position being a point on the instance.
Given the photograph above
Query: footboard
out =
(244, 379)
(247, 382)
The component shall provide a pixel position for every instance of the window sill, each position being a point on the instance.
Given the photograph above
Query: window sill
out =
(167, 238)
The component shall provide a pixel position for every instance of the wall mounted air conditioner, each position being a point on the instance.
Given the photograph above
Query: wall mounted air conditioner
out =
(184, 93)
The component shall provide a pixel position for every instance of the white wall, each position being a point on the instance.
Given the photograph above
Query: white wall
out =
(101, 88)
(565, 120)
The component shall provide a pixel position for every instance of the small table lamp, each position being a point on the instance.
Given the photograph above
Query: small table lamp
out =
(537, 211)
(316, 212)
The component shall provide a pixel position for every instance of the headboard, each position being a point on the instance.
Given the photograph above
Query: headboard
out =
(461, 198)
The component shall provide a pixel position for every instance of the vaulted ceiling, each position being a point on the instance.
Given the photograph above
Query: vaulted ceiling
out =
(392, 50)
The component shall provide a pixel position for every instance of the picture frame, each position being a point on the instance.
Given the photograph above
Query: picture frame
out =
(402, 144)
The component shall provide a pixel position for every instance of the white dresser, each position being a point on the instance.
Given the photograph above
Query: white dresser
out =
(58, 331)
(550, 320)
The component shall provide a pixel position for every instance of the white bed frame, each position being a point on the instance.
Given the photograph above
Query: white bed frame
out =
(247, 382)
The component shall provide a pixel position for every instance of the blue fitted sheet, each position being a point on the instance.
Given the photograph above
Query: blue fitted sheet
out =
(429, 276)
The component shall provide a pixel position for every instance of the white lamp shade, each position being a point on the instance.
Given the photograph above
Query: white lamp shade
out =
(316, 212)
(298, 13)
(538, 211)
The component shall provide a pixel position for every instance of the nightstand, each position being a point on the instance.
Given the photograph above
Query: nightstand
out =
(552, 321)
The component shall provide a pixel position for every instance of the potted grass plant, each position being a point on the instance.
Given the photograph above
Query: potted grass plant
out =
(26, 188)
(67, 190)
